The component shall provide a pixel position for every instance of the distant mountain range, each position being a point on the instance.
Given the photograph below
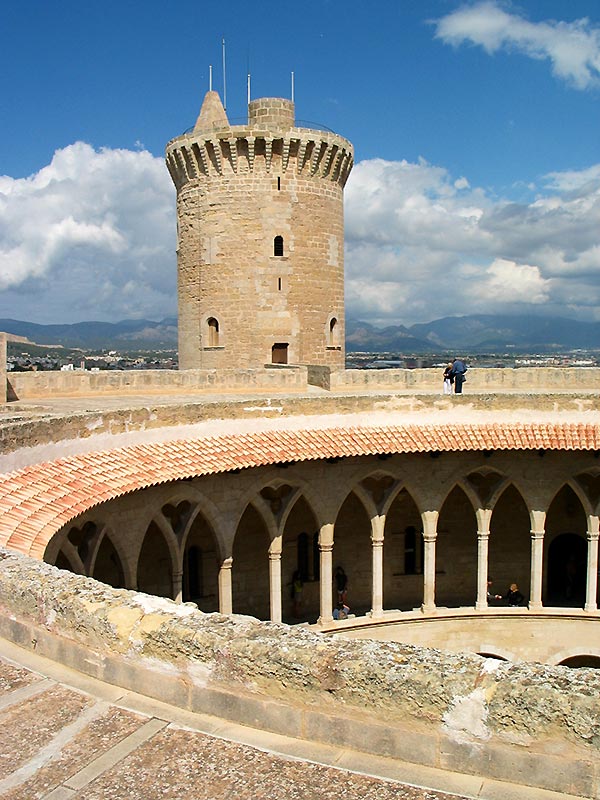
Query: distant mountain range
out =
(481, 333)
(477, 333)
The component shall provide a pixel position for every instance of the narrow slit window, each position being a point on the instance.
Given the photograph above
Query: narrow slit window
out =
(278, 184)
(279, 284)
(278, 246)
(213, 332)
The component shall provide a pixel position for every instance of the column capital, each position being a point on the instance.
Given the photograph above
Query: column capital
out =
(326, 548)
(537, 535)
(483, 534)
(275, 556)
(593, 536)
(227, 563)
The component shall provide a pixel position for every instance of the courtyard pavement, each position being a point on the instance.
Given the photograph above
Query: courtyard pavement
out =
(64, 736)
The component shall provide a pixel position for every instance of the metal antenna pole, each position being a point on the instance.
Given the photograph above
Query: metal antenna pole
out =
(210, 78)
(248, 87)
(292, 87)
(224, 79)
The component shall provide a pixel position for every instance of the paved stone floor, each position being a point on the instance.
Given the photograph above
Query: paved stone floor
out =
(63, 735)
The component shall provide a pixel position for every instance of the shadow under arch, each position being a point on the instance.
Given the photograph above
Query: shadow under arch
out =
(155, 564)
(300, 562)
(565, 551)
(583, 660)
(250, 568)
(352, 551)
(509, 549)
(404, 553)
(201, 561)
(108, 566)
(456, 551)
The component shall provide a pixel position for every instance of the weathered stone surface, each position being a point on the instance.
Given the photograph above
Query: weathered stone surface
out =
(466, 697)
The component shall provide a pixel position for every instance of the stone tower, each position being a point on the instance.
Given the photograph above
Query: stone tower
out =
(260, 239)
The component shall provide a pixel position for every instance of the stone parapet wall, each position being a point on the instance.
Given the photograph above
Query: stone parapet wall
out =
(37, 385)
(525, 379)
(517, 722)
(34, 385)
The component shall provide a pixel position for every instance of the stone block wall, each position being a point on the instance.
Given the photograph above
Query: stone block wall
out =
(33, 385)
(511, 721)
(525, 379)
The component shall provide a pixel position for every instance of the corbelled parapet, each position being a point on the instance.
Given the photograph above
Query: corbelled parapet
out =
(214, 147)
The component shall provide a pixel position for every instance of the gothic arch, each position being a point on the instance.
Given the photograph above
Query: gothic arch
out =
(108, 564)
(156, 563)
(456, 551)
(509, 548)
(250, 569)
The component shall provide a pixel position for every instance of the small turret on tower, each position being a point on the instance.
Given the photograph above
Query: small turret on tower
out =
(260, 238)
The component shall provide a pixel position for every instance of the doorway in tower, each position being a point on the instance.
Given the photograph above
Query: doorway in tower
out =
(279, 353)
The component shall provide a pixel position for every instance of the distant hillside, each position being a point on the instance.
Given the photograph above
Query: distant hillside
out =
(127, 335)
(474, 333)
(493, 332)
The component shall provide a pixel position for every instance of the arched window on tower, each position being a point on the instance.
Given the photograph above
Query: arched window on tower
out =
(213, 331)
(333, 334)
(278, 246)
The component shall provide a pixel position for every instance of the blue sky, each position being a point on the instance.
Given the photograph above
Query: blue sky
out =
(476, 129)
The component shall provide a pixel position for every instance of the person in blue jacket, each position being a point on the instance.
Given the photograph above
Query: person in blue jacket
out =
(458, 371)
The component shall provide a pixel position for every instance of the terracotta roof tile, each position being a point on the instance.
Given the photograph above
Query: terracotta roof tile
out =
(38, 500)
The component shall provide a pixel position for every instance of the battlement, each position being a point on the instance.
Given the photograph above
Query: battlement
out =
(305, 152)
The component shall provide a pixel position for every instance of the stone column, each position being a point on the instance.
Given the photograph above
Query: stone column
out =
(377, 531)
(537, 559)
(275, 585)
(591, 592)
(177, 586)
(225, 588)
(484, 516)
(326, 582)
(429, 519)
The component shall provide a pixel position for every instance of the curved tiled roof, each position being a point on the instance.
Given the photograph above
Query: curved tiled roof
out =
(37, 501)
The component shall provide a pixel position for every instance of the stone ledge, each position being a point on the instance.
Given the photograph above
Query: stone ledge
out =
(476, 716)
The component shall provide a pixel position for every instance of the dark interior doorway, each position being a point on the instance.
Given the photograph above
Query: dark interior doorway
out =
(279, 353)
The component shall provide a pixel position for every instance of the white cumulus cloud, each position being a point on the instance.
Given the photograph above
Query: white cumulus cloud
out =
(573, 48)
(89, 236)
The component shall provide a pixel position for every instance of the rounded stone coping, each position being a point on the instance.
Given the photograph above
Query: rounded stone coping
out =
(512, 721)
(37, 501)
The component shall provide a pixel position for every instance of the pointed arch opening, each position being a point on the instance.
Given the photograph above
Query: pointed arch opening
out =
(250, 571)
(352, 552)
(403, 548)
(107, 565)
(509, 547)
(300, 564)
(155, 568)
(456, 552)
(201, 566)
(565, 556)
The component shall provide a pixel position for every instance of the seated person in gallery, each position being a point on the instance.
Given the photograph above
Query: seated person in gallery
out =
(341, 611)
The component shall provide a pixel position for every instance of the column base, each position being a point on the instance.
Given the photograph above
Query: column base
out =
(535, 606)
(428, 609)
(481, 606)
(591, 608)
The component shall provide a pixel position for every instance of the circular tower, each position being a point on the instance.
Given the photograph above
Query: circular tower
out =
(260, 239)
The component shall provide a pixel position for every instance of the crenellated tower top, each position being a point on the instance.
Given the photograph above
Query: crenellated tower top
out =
(214, 146)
